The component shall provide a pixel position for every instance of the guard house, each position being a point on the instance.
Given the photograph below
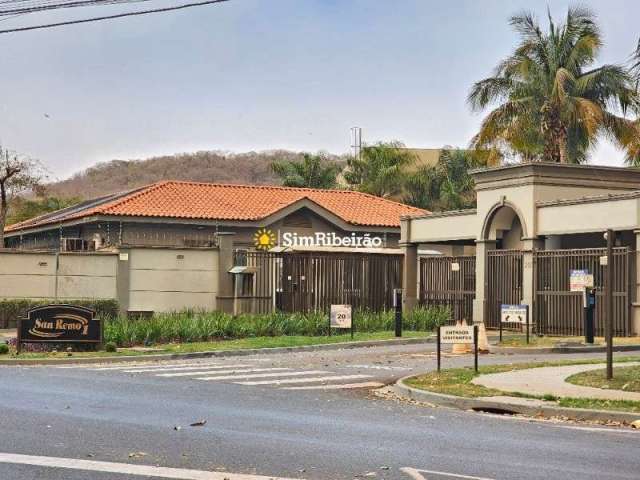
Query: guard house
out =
(533, 224)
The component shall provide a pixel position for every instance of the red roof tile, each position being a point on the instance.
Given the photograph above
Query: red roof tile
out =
(210, 201)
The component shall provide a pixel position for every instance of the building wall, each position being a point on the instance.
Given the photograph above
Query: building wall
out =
(163, 280)
(77, 276)
(141, 279)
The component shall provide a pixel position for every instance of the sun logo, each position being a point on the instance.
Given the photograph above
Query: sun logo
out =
(264, 239)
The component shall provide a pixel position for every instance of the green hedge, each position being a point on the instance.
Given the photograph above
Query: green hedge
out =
(194, 326)
(11, 309)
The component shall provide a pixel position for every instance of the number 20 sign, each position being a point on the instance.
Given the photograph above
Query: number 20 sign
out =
(340, 316)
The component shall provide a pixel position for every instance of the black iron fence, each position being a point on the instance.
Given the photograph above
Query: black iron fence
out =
(558, 311)
(305, 282)
(450, 282)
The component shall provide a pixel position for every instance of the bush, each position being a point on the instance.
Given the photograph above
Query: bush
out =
(4, 348)
(11, 309)
(198, 326)
(110, 347)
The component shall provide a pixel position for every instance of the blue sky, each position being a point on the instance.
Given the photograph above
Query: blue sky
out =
(263, 74)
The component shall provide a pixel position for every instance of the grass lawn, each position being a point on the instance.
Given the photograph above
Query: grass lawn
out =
(244, 343)
(624, 378)
(457, 382)
(510, 340)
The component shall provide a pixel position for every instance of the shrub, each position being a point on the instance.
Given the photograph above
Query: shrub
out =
(4, 348)
(110, 347)
(11, 309)
(200, 326)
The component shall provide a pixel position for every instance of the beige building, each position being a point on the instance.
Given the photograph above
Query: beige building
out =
(534, 223)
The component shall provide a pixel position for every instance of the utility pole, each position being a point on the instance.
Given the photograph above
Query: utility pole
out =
(608, 302)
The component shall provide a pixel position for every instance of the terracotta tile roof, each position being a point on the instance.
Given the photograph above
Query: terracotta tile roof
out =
(211, 201)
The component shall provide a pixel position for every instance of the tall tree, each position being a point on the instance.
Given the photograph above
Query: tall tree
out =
(17, 174)
(380, 169)
(313, 171)
(552, 103)
(446, 185)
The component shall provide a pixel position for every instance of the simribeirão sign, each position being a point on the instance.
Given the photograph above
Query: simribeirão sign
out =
(323, 239)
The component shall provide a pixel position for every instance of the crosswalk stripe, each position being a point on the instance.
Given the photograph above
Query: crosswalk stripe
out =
(304, 380)
(338, 386)
(262, 375)
(147, 365)
(209, 372)
(190, 367)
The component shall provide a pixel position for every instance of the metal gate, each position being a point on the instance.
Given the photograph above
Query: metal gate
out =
(504, 282)
(559, 311)
(305, 282)
(451, 282)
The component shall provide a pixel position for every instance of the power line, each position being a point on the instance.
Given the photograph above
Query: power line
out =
(111, 17)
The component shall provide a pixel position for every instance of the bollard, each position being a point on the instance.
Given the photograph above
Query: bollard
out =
(589, 313)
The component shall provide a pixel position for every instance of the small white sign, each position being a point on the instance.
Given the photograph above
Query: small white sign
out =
(603, 261)
(341, 316)
(458, 334)
(124, 257)
(513, 314)
(579, 280)
(455, 267)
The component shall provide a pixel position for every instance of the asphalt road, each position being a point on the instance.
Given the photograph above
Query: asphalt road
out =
(112, 419)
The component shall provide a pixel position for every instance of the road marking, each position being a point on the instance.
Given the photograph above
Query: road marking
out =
(416, 474)
(304, 380)
(183, 368)
(127, 469)
(147, 365)
(208, 372)
(262, 375)
(337, 387)
(379, 367)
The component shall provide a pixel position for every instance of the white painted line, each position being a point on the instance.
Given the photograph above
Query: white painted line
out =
(126, 468)
(190, 367)
(148, 365)
(305, 380)
(216, 372)
(416, 474)
(262, 375)
(339, 386)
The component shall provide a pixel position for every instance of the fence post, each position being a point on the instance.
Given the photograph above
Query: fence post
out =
(225, 298)
(608, 296)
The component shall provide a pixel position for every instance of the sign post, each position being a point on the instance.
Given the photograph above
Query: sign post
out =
(608, 301)
(397, 305)
(515, 314)
(458, 334)
(59, 324)
(341, 317)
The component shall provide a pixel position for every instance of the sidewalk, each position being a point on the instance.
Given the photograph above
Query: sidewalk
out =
(551, 380)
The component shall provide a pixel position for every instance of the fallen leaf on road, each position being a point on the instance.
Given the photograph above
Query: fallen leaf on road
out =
(177, 427)
(635, 424)
(200, 423)
(137, 454)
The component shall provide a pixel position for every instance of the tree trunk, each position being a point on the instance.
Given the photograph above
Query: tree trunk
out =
(3, 213)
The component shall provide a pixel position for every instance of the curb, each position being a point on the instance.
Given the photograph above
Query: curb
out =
(464, 403)
(567, 349)
(221, 353)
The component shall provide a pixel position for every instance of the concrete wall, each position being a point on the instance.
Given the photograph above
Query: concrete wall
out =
(162, 279)
(67, 276)
(141, 279)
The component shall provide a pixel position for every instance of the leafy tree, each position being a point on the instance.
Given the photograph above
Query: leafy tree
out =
(446, 185)
(17, 174)
(313, 171)
(21, 209)
(552, 104)
(380, 169)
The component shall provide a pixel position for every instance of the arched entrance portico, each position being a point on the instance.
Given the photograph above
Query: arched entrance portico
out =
(501, 252)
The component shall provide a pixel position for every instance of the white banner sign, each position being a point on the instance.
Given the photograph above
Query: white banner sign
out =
(456, 334)
(513, 313)
(579, 280)
(340, 316)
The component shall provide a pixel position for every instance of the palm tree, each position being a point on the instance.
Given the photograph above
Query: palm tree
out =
(380, 169)
(313, 171)
(553, 105)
